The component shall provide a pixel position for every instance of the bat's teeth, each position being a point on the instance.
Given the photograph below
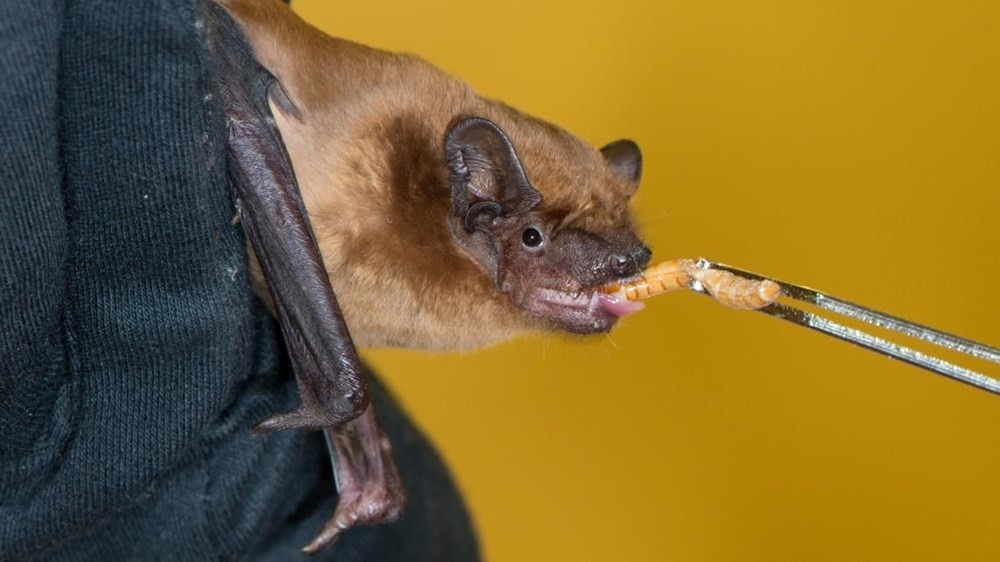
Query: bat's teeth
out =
(563, 298)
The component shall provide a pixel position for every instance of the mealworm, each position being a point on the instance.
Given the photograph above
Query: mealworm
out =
(737, 292)
(661, 278)
(728, 289)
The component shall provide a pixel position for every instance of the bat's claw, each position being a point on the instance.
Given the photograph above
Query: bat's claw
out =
(316, 418)
(298, 418)
(371, 490)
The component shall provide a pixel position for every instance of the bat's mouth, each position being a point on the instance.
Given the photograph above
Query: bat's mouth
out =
(586, 311)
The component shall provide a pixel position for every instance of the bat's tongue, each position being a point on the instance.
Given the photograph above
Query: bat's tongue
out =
(618, 306)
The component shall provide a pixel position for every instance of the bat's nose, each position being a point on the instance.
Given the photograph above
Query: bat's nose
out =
(642, 256)
(619, 264)
(631, 262)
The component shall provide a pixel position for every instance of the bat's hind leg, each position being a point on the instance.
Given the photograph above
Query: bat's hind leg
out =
(367, 480)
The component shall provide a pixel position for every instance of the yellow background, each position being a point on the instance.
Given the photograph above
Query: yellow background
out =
(850, 145)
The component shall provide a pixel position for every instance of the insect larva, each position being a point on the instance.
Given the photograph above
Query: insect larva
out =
(728, 289)
(737, 292)
(661, 278)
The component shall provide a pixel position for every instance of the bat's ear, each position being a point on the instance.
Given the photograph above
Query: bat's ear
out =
(486, 176)
(624, 159)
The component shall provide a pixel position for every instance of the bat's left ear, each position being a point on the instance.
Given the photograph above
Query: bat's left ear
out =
(624, 159)
(487, 182)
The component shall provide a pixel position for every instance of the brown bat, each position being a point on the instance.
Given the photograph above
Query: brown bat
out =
(438, 218)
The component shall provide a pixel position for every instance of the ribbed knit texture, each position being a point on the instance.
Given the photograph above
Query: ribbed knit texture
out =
(133, 355)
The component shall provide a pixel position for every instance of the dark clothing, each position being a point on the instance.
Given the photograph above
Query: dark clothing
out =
(134, 358)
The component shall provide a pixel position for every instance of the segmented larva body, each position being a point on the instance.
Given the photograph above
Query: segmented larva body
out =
(661, 278)
(728, 289)
(737, 292)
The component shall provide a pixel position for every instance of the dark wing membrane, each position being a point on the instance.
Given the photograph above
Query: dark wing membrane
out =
(331, 382)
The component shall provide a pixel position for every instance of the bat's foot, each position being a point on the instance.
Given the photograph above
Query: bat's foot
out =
(374, 505)
(371, 491)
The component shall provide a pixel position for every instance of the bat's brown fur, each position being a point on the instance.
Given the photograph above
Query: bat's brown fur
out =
(367, 148)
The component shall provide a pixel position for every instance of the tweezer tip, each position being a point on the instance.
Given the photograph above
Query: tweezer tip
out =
(876, 318)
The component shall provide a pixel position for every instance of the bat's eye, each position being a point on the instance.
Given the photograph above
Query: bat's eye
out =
(531, 237)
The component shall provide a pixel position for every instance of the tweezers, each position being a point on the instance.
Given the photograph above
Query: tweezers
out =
(876, 318)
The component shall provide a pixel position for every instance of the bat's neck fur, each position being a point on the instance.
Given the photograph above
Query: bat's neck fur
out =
(367, 148)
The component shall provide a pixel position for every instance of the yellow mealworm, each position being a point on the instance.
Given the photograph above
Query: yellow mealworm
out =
(661, 278)
(728, 289)
(737, 292)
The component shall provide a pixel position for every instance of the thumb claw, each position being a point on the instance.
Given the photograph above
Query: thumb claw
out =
(325, 539)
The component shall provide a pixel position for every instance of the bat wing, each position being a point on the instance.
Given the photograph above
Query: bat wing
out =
(332, 384)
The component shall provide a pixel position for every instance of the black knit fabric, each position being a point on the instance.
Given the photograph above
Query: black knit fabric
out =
(134, 358)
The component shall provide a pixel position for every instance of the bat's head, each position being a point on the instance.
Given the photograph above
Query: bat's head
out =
(553, 244)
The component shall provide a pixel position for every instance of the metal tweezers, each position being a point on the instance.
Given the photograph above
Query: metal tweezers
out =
(876, 318)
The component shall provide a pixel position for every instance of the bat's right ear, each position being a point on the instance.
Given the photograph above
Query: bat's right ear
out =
(486, 176)
(624, 159)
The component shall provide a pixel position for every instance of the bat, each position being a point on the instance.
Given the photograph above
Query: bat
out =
(387, 204)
